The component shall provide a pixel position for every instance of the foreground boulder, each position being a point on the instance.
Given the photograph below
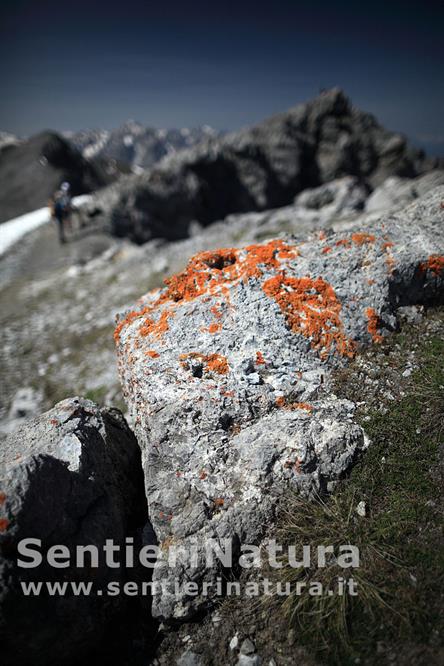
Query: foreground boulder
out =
(259, 168)
(227, 372)
(70, 477)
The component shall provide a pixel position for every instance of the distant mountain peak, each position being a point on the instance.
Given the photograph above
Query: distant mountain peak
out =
(138, 146)
(261, 167)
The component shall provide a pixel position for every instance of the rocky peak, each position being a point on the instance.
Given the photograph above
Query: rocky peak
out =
(260, 168)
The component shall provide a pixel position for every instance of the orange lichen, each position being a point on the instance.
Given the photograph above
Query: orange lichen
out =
(362, 238)
(370, 281)
(203, 475)
(390, 262)
(302, 405)
(343, 241)
(209, 273)
(54, 422)
(283, 250)
(326, 250)
(373, 325)
(217, 363)
(152, 354)
(312, 310)
(214, 362)
(259, 358)
(193, 281)
(2, 498)
(322, 235)
(267, 255)
(4, 522)
(219, 501)
(209, 270)
(295, 465)
(216, 312)
(128, 319)
(283, 403)
(156, 328)
(212, 328)
(435, 264)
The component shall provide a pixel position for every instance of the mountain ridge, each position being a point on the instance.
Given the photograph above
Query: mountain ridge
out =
(135, 144)
(257, 168)
(32, 169)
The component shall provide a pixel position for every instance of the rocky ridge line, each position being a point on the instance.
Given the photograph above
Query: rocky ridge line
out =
(259, 168)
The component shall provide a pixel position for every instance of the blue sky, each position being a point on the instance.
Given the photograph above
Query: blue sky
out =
(71, 65)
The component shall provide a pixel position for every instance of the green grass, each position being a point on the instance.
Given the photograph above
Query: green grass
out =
(97, 395)
(401, 575)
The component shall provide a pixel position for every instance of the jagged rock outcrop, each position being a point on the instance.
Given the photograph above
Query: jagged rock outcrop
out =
(339, 197)
(396, 192)
(260, 168)
(32, 169)
(70, 477)
(227, 371)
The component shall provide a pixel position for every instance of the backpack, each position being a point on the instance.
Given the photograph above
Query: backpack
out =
(60, 204)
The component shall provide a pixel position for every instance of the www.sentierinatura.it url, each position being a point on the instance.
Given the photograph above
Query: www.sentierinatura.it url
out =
(220, 587)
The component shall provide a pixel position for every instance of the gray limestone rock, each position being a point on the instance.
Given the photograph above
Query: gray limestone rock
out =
(189, 658)
(70, 477)
(340, 196)
(396, 192)
(218, 448)
(247, 647)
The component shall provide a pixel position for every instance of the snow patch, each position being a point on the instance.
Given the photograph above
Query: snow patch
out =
(13, 230)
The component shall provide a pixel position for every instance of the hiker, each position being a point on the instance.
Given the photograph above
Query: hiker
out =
(61, 209)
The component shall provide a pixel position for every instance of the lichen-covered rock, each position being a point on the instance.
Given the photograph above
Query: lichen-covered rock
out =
(227, 371)
(70, 477)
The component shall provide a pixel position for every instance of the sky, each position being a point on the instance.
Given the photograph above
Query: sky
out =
(71, 65)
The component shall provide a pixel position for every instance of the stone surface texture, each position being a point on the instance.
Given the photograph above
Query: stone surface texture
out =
(70, 477)
(227, 372)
